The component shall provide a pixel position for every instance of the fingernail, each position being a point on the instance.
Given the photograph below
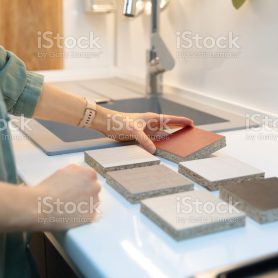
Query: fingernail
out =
(152, 149)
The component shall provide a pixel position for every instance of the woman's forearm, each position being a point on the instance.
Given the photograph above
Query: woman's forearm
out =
(61, 106)
(58, 105)
(18, 208)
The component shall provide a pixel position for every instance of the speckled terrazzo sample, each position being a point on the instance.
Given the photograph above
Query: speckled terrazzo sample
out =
(192, 214)
(216, 171)
(259, 199)
(118, 158)
(146, 182)
(189, 143)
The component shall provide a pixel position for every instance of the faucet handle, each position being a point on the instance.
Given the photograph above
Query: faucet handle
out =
(163, 60)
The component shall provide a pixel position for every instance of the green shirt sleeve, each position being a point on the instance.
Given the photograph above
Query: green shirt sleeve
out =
(20, 88)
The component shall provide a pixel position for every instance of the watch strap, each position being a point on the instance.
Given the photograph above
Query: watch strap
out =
(89, 114)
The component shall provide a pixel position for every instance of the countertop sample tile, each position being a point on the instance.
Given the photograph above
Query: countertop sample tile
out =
(146, 182)
(216, 171)
(259, 199)
(189, 143)
(192, 214)
(118, 158)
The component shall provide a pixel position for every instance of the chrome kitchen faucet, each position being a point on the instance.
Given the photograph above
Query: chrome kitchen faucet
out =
(159, 58)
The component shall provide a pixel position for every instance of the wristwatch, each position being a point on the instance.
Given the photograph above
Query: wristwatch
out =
(89, 114)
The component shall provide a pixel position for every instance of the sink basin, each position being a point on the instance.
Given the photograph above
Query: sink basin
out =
(54, 138)
(162, 105)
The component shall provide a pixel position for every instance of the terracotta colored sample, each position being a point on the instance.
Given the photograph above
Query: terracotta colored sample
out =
(118, 158)
(192, 214)
(146, 182)
(189, 143)
(259, 199)
(216, 171)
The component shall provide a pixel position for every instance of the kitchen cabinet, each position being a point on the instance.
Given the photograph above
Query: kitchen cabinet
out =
(23, 23)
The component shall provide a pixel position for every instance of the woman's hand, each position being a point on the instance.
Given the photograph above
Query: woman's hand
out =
(66, 199)
(135, 126)
(58, 105)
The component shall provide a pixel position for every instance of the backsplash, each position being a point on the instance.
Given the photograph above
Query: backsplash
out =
(221, 52)
(81, 29)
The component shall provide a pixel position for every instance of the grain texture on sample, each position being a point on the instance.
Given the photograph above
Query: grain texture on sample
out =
(146, 182)
(216, 171)
(192, 214)
(258, 199)
(118, 158)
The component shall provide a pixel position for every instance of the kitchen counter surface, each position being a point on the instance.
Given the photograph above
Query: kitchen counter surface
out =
(124, 243)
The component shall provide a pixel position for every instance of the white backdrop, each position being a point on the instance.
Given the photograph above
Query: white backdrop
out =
(77, 24)
(249, 76)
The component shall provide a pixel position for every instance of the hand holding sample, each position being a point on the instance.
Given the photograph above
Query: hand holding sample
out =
(142, 127)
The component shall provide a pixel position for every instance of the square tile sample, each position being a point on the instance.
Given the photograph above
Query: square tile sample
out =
(259, 199)
(189, 143)
(118, 158)
(146, 182)
(216, 171)
(192, 214)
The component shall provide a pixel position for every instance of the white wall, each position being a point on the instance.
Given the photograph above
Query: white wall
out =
(78, 24)
(249, 79)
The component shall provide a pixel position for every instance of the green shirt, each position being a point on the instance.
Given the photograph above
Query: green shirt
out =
(19, 94)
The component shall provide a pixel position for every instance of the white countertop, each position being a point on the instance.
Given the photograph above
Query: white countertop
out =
(124, 243)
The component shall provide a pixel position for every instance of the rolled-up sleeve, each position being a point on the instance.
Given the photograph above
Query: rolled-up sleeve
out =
(20, 88)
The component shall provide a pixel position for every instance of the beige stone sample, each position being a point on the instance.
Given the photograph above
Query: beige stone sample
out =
(118, 158)
(146, 182)
(192, 214)
(216, 171)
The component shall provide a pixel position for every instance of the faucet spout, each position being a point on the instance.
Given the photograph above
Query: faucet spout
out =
(159, 58)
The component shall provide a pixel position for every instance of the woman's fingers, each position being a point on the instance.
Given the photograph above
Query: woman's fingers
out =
(162, 121)
(179, 121)
(155, 124)
(157, 135)
(141, 137)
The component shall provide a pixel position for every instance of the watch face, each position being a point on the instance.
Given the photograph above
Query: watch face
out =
(91, 106)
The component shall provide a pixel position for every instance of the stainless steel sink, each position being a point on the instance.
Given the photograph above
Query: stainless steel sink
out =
(125, 96)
